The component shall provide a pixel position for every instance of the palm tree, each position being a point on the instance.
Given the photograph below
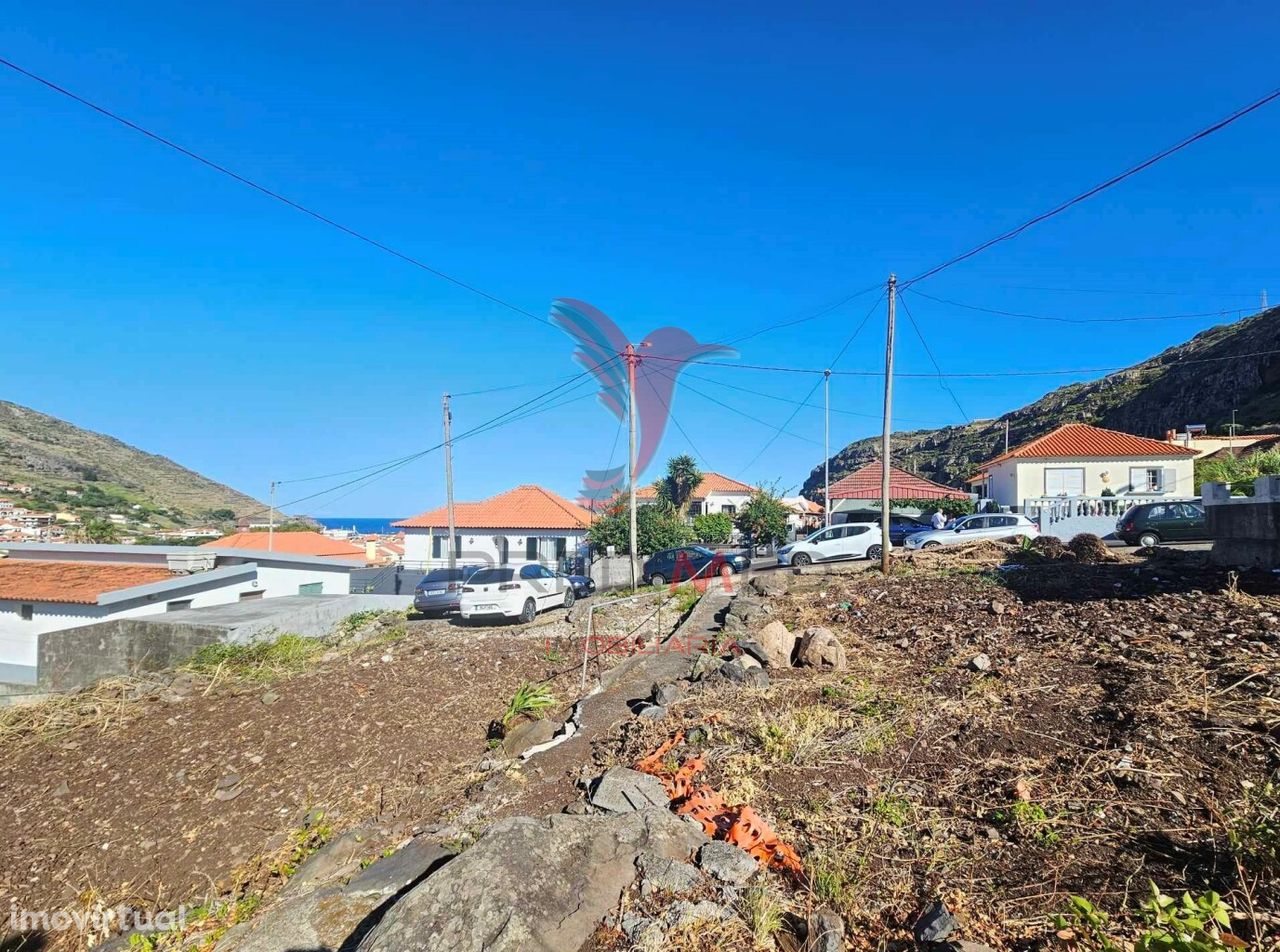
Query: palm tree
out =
(680, 483)
(101, 530)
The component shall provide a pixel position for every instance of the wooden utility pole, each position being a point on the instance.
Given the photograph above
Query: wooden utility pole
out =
(888, 422)
(448, 479)
(632, 360)
(271, 520)
(826, 446)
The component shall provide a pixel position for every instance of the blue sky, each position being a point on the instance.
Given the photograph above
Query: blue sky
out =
(718, 168)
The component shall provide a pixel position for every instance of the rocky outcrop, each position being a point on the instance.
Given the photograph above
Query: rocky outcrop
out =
(530, 885)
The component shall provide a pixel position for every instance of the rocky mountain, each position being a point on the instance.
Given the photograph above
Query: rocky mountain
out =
(1229, 367)
(53, 456)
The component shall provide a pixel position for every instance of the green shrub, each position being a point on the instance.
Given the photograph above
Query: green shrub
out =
(258, 660)
(713, 528)
(530, 700)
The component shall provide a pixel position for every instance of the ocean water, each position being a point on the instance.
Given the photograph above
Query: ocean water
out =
(365, 525)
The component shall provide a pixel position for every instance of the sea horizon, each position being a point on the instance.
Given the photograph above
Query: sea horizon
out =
(364, 525)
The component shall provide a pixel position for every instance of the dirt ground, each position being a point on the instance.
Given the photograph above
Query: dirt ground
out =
(1125, 731)
(175, 789)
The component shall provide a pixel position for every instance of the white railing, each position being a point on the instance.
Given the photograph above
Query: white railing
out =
(1050, 509)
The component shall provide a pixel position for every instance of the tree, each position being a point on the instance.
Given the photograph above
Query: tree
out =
(714, 528)
(657, 527)
(1237, 471)
(764, 517)
(101, 530)
(680, 483)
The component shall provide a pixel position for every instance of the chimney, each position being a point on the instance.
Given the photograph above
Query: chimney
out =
(188, 563)
(371, 551)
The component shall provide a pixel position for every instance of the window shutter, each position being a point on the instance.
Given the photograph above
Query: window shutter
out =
(1169, 480)
(531, 548)
(436, 546)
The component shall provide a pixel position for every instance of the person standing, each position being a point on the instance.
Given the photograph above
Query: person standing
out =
(938, 521)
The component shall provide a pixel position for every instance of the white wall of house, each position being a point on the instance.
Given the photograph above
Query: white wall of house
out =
(19, 636)
(490, 546)
(715, 502)
(1013, 481)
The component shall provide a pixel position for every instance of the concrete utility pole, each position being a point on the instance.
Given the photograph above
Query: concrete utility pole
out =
(1006, 436)
(888, 423)
(632, 360)
(448, 479)
(271, 520)
(1264, 299)
(826, 445)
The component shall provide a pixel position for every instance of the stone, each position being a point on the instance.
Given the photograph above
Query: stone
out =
(621, 790)
(335, 858)
(527, 885)
(769, 584)
(61, 790)
(666, 693)
(269, 697)
(727, 863)
(820, 648)
(996, 608)
(684, 913)
(744, 671)
(980, 662)
(964, 945)
(527, 734)
(651, 712)
(772, 645)
(663, 874)
(826, 932)
(934, 924)
(330, 916)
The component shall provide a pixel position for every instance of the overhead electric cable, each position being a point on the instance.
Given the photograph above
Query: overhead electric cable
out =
(1221, 312)
(1100, 187)
(933, 360)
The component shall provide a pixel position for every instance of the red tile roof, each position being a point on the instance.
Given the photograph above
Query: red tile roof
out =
(81, 583)
(711, 483)
(1076, 440)
(525, 507)
(865, 484)
(290, 543)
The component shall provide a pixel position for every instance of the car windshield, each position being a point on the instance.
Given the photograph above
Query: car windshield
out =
(490, 576)
(445, 575)
(709, 553)
(819, 535)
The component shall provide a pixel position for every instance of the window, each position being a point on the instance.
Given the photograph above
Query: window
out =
(695, 508)
(491, 576)
(977, 522)
(177, 605)
(251, 596)
(531, 571)
(437, 546)
(729, 509)
(531, 549)
(1064, 482)
(311, 588)
(545, 549)
(856, 530)
(1152, 479)
(27, 612)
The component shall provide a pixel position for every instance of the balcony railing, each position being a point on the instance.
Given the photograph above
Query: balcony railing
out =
(1050, 509)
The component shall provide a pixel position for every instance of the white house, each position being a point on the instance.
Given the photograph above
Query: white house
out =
(525, 524)
(48, 587)
(715, 493)
(1081, 461)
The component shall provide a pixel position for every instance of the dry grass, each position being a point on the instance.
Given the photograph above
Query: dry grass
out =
(106, 706)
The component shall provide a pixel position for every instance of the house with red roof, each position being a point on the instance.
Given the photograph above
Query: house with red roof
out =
(525, 524)
(715, 493)
(861, 490)
(293, 543)
(1078, 460)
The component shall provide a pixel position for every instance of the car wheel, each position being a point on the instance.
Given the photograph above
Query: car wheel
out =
(931, 545)
(874, 552)
(570, 596)
(529, 611)
(657, 581)
(801, 559)
(1148, 539)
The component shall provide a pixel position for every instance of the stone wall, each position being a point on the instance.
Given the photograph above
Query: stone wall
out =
(1245, 529)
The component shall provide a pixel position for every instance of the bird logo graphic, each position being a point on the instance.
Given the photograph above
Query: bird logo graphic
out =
(662, 355)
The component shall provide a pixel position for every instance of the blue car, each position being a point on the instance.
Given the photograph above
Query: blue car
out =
(582, 586)
(902, 526)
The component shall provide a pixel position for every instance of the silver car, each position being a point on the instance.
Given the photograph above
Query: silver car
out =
(993, 525)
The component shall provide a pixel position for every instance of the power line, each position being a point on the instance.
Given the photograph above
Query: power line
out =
(925, 344)
(783, 429)
(1221, 312)
(1102, 186)
(801, 320)
(1030, 287)
(672, 417)
(296, 206)
(857, 330)
(715, 402)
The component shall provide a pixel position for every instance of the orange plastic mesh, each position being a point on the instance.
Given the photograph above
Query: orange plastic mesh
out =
(739, 825)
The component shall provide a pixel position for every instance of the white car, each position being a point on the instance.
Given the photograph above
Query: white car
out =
(853, 540)
(995, 525)
(514, 592)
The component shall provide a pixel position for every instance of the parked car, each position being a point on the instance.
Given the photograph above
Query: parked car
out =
(440, 589)
(1155, 522)
(514, 592)
(670, 564)
(582, 585)
(972, 528)
(853, 540)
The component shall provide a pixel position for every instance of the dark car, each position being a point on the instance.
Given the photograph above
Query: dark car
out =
(690, 561)
(582, 585)
(1155, 522)
(901, 526)
(440, 589)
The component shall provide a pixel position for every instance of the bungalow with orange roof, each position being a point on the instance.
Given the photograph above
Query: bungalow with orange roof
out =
(715, 493)
(861, 491)
(293, 543)
(1081, 461)
(521, 525)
